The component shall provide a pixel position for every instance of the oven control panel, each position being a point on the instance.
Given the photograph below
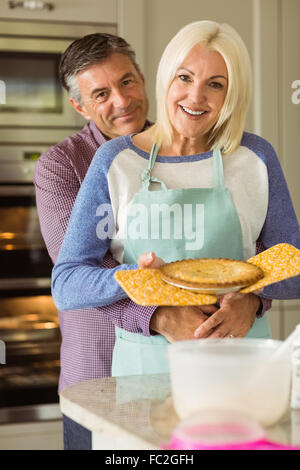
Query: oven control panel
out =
(17, 171)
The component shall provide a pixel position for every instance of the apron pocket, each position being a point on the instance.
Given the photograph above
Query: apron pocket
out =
(131, 358)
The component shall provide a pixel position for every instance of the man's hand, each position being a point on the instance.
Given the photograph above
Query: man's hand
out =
(174, 323)
(235, 317)
(180, 323)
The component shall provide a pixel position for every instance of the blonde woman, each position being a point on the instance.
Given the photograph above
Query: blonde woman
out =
(193, 185)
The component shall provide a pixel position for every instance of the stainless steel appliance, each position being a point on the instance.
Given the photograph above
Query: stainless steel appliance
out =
(34, 115)
(28, 317)
(36, 112)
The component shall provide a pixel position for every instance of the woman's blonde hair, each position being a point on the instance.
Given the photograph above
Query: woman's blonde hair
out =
(227, 132)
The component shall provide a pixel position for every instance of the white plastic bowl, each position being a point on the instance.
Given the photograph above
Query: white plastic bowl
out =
(230, 374)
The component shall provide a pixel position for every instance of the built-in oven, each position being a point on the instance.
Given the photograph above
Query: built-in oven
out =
(28, 317)
(24, 261)
(34, 114)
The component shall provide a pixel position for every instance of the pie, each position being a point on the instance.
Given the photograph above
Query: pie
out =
(213, 272)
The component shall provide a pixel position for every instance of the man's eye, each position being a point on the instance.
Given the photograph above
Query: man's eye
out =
(101, 96)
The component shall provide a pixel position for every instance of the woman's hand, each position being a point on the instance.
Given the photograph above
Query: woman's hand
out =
(235, 317)
(150, 260)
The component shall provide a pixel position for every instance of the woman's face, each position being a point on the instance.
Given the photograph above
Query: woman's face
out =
(197, 93)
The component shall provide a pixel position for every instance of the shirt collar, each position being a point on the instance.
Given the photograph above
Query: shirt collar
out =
(101, 138)
(98, 136)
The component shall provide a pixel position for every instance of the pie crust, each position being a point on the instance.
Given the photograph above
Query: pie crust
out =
(213, 272)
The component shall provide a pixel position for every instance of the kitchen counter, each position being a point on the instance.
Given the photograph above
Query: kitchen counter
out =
(136, 413)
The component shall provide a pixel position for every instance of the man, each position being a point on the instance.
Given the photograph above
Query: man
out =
(106, 86)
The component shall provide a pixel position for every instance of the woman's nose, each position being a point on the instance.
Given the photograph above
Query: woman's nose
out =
(198, 94)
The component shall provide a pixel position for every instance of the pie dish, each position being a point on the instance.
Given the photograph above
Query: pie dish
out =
(213, 273)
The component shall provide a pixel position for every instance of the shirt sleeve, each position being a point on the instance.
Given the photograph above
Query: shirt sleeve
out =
(56, 186)
(281, 224)
(78, 278)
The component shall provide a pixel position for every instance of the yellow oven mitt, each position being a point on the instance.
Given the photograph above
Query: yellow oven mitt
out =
(145, 286)
(279, 262)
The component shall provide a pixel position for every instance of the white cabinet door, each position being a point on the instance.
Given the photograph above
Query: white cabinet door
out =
(93, 11)
(45, 435)
(289, 106)
(289, 123)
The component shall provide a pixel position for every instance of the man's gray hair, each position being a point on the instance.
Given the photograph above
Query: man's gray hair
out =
(74, 90)
(88, 51)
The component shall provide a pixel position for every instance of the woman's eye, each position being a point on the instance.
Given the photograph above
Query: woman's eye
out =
(216, 85)
(128, 82)
(184, 78)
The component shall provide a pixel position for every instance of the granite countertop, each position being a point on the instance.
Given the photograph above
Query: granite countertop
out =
(136, 412)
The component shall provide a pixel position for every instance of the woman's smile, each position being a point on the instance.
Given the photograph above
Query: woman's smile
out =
(192, 112)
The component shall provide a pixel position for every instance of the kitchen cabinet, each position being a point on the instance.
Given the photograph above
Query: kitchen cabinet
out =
(47, 435)
(89, 11)
(289, 105)
(33, 427)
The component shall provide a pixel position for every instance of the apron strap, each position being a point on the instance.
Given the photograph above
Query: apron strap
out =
(146, 175)
(153, 155)
(218, 169)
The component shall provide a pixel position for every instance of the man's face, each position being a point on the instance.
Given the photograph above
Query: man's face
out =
(113, 96)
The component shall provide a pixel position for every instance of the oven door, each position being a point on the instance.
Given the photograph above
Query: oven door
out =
(28, 317)
(24, 262)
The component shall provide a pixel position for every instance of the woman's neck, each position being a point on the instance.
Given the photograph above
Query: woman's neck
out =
(184, 147)
(180, 145)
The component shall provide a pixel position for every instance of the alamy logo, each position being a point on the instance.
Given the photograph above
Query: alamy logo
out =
(296, 94)
(157, 222)
(2, 352)
(2, 92)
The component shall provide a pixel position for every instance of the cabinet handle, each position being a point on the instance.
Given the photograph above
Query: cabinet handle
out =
(31, 5)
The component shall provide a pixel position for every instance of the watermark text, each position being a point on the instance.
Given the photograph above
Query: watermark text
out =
(2, 352)
(296, 94)
(156, 222)
(2, 92)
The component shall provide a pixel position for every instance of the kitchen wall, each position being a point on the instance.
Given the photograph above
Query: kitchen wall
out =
(271, 31)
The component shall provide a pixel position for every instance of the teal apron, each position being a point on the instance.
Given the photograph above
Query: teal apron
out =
(177, 224)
